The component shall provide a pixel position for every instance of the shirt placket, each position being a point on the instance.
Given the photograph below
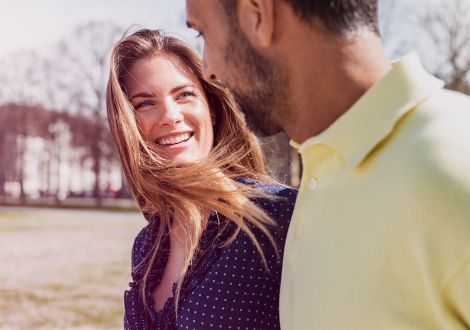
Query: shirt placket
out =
(319, 163)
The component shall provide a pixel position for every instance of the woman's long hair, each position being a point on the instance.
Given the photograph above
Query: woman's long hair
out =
(177, 193)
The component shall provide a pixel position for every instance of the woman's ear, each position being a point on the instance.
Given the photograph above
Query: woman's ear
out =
(256, 18)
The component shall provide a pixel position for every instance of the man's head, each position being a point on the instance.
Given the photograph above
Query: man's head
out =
(244, 47)
(338, 16)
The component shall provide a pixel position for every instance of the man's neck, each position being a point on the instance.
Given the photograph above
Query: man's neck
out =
(327, 77)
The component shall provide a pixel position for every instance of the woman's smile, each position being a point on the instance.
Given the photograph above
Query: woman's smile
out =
(171, 108)
(174, 139)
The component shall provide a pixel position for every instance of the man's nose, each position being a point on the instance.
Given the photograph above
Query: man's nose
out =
(170, 114)
(207, 72)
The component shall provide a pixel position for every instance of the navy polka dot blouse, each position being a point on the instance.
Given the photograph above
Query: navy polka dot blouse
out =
(227, 287)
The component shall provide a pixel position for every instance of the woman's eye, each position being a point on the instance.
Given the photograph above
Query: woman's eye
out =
(143, 104)
(186, 94)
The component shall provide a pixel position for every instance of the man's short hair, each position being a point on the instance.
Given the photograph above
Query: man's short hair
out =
(338, 16)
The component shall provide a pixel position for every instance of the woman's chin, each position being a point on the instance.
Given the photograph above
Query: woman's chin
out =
(181, 157)
(182, 154)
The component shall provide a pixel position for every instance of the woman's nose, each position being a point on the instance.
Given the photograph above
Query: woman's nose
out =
(170, 114)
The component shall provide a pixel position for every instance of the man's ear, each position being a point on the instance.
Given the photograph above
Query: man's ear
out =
(256, 19)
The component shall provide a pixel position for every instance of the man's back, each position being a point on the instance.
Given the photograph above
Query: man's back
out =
(381, 229)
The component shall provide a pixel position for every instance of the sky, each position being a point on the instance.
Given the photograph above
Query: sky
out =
(30, 24)
(35, 24)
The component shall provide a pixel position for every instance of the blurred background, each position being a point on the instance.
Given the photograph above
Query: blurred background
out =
(66, 218)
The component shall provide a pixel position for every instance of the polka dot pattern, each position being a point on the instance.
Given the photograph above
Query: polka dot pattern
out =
(227, 287)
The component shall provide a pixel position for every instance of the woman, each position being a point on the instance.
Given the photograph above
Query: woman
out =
(211, 253)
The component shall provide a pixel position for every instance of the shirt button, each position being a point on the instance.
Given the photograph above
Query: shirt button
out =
(300, 231)
(313, 184)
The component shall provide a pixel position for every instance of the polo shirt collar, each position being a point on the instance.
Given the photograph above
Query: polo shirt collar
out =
(373, 117)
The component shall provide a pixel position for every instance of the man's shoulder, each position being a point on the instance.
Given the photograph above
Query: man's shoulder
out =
(443, 124)
(433, 141)
(447, 104)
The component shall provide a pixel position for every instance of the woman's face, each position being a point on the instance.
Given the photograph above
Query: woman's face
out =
(171, 108)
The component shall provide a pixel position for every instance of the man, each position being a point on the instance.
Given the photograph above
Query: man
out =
(380, 236)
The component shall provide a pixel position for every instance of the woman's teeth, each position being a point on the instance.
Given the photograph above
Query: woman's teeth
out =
(174, 139)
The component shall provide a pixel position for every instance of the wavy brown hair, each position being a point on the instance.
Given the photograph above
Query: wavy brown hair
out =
(182, 193)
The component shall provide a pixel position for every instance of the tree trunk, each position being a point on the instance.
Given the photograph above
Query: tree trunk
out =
(21, 164)
(96, 158)
(2, 168)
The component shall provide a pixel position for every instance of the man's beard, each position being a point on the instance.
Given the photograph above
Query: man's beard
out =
(263, 99)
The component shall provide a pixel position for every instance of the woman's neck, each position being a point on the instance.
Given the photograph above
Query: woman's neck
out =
(180, 245)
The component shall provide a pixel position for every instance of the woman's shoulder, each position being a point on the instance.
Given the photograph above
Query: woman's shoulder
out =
(139, 248)
(279, 201)
(284, 192)
(278, 204)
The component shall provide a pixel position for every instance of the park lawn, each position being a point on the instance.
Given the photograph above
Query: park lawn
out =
(64, 269)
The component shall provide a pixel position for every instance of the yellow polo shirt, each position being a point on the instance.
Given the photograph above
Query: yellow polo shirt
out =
(380, 235)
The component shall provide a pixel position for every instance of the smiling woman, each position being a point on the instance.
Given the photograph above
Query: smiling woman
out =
(171, 108)
(216, 221)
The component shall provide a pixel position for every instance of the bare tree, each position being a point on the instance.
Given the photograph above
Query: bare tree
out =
(22, 88)
(70, 81)
(397, 19)
(3, 82)
(447, 25)
(53, 131)
(3, 152)
(14, 135)
(85, 56)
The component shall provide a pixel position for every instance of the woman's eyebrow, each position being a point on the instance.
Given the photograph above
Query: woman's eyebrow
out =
(177, 88)
(173, 90)
(143, 94)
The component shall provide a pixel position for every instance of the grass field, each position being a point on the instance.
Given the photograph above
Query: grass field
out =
(64, 269)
